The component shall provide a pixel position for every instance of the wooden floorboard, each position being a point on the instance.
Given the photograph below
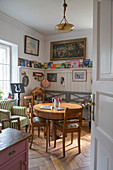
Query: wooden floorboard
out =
(53, 160)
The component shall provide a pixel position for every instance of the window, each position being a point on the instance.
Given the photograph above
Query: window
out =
(5, 69)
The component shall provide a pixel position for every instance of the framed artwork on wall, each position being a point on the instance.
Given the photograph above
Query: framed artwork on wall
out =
(79, 75)
(52, 77)
(68, 49)
(31, 46)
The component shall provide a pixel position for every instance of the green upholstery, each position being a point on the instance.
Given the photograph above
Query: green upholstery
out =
(68, 126)
(37, 119)
(7, 110)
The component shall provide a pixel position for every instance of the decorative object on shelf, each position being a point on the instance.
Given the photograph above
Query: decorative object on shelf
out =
(68, 64)
(48, 65)
(79, 75)
(64, 26)
(1, 93)
(21, 62)
(17, 88)
(53, 66)
(38, 76)
(68, 49)
(45, 83)
(75, 64)
(25, 80)
(24, 73)
(90, 64)
(62, 81)
(52, 77)
(86, 62)
(80, 63)
(31, 46)
(10, 96)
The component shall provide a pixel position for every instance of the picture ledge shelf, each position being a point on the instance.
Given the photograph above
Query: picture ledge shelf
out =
(66, 69)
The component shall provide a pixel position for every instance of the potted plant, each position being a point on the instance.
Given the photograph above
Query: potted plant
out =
(1, 92)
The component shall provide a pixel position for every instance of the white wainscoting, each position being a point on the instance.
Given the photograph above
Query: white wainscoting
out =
(69, 84)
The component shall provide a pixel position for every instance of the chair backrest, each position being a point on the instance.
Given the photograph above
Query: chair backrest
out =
(31, 112)
(27, 100)
(72, 114)
(12, 123)
(6, 104)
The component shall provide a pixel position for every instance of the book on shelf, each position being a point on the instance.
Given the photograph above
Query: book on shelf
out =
(53, 66)
(90, 64)
(86, 62)
(45, 65)
(21, 62)
(46, 107)
(39, 65)
(68, 64)
(57, 66)
(80, 63)
(75, 64)
(27, 63)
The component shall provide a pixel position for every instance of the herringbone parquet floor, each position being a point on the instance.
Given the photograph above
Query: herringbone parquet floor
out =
(53, 160)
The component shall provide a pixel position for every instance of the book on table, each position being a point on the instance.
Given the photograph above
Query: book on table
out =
(46, 107)
(59, 108)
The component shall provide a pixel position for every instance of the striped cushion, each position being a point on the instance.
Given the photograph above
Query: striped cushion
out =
(68, 126)
(6, 104)
(38, 119)
(23, 120)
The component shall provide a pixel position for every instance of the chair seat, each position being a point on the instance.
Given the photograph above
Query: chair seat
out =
(68, 126)
(38, 119)
(23, 120)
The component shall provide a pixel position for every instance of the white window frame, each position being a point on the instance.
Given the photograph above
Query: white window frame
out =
(8, 49)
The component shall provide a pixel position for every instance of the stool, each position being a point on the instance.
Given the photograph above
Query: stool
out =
(27, 100)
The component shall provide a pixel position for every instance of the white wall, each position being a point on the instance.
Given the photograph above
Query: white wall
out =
(88, 34)
(14, 32)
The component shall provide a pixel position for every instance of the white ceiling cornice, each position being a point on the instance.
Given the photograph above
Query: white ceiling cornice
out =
(20, 25)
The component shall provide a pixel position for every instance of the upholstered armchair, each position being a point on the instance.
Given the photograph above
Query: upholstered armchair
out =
(8, 111)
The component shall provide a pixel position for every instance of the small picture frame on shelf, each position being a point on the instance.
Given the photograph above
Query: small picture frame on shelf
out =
(52, 77)
(79, 75)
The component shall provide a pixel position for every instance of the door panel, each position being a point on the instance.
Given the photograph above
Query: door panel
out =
(104, 119)
(104, 39)
(102, 126)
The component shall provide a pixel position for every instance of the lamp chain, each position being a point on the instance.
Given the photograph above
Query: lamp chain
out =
(64, 5)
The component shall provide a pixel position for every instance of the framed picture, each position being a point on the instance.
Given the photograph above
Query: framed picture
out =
(31, 46)
(68, 50)
(79, 75)
(52, 77)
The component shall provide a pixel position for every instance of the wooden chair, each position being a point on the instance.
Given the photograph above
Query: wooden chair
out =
(35, 121)
(69, 126)
(27, 100)
(13, 123)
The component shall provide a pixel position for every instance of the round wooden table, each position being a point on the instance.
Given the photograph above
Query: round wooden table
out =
(54, 114)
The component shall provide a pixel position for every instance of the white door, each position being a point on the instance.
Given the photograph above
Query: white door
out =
(102, 126)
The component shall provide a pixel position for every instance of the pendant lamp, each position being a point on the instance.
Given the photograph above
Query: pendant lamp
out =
(64, 26)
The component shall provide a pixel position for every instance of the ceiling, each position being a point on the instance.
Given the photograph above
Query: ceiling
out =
(43, 15)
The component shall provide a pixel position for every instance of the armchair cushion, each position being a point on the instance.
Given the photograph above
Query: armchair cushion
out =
(8, 111)
(6, 104)
(4, 114)
(23, 120)
(20, 111)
